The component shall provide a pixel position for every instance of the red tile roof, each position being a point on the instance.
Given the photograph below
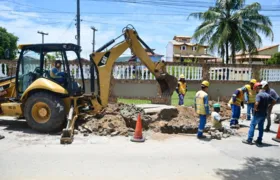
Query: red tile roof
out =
(258, 50)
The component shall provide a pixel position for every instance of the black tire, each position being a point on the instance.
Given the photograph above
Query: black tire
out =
(56, 112)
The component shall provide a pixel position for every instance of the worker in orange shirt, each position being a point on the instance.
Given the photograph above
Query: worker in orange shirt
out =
(181, 89)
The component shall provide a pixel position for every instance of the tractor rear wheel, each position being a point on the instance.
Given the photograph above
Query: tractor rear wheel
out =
(44, 112)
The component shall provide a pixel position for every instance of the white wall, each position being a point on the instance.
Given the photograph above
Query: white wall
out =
(169, 52)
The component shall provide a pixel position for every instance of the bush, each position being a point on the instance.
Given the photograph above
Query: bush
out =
(275, 59)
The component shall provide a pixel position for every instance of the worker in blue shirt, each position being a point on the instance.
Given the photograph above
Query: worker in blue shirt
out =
(263, 100)
(56, 73)
(202, 107)
(275, 96)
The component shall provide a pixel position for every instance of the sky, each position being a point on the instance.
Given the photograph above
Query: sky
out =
(156, 23)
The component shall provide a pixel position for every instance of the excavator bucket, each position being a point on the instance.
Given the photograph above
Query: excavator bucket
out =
(168, 84)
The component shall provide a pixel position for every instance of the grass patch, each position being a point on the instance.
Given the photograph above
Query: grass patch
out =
(133, 101)
(189, 99)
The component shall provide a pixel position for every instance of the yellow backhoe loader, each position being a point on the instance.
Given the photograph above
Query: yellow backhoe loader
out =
(46, 103)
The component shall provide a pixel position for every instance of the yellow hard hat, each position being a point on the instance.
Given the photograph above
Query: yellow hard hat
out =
(247, 86)
(182, 76)
(205, 83)
(253, 81)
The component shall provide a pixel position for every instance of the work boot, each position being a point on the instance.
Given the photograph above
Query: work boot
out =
(2, 137)
(246, 141)
(233, 126)
(267, 129)
(258, 143)
(201, 137)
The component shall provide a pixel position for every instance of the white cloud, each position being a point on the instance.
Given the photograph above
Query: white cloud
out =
(26, 25)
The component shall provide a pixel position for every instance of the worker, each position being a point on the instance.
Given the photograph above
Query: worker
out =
(216, 117)
(263, 100)
(250, 97)
(236, 101)
(275, 96)
(181, 89)
(202, 107)
(56, 73)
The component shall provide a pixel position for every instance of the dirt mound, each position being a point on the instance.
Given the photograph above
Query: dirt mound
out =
(107, 125)
(121, 118)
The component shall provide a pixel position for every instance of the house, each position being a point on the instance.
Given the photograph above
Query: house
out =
(259, 57)
(123, 59)
(154, 57)
(180, 49)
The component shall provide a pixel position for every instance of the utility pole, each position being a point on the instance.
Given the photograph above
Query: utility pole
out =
(93, 38)
(43, 34)
(78, 23)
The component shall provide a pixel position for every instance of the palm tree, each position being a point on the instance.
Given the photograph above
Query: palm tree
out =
(232, 24)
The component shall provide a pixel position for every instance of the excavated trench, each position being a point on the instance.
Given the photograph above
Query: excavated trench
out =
(120, 119)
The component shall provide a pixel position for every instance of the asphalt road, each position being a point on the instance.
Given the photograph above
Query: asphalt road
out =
(25, 154)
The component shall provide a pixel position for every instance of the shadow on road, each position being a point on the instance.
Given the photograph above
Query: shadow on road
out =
(20, 126)
(253, 168)
(267, 145)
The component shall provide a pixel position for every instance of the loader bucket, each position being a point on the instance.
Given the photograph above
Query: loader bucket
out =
(167, 84)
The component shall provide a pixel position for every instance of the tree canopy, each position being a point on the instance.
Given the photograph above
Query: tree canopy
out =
(275, 59)
(231, 24)
(8, 42)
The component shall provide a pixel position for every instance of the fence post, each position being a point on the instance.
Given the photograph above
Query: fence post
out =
(205, 72)
(256, 72)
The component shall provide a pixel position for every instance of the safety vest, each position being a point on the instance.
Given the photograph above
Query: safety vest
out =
(216, 124)
(182, 87)
(239, 98)
(252, 96)
(199, 102)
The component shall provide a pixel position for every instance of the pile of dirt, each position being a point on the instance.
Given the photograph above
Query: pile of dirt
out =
(186, 122)
(108, 125)
(120, 119)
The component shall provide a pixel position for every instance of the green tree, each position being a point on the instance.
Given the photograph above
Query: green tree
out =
(8, 41)
(275, 59)
(232, 25)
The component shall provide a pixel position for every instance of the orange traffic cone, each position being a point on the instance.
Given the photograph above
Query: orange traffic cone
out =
(277, 139)
(138, 137)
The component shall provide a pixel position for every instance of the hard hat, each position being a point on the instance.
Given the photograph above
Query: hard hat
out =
(205, 83)
(217, 105)
(256, 85)
(253, 81)
(248, 87)
(264, 83)
(182, 76)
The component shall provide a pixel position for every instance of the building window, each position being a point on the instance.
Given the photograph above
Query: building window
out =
(194, 48)
(183, 48)
(205, 50)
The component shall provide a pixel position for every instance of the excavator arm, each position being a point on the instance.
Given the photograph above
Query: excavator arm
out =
(104, 63)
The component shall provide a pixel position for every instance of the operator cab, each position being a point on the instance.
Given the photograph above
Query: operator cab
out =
(52, 62)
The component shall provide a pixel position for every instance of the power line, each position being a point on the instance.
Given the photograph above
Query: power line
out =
(26, 5)
(117, 13)
(177, 4)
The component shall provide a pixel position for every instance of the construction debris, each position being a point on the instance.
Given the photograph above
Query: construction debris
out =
(120, 119)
